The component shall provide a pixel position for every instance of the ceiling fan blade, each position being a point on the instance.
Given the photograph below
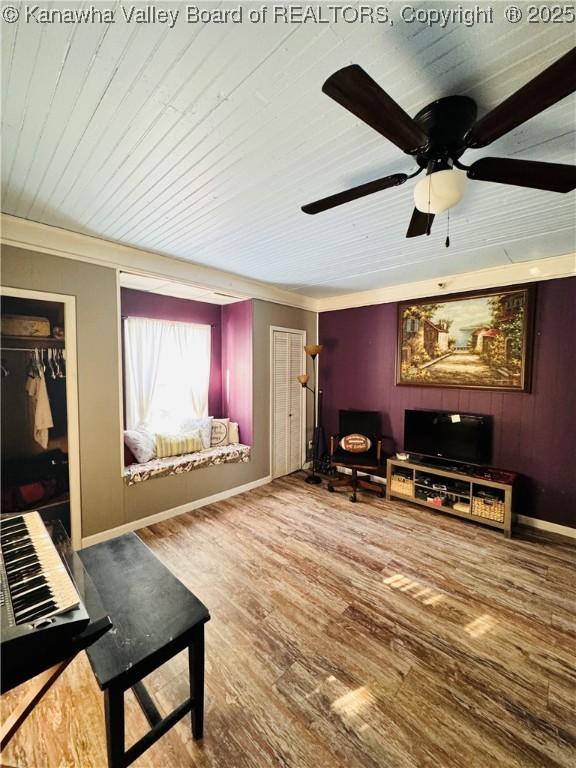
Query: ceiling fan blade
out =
(525, 173)
(420, 223)
(545, 89)
(355, 90)
(355, 193)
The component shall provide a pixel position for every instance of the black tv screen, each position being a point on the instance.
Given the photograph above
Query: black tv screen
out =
(465, 437)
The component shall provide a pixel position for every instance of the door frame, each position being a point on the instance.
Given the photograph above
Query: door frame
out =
(303, 425)
(73, 427)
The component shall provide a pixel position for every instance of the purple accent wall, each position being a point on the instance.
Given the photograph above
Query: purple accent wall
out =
(534, 433)
(237, 397)
(159, 307)
(230, 392)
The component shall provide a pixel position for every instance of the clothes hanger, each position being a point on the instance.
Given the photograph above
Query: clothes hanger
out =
(56, 364)
(52, 363)
(31, 367)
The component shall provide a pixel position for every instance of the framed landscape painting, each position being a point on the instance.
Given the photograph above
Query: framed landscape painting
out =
(476, 341)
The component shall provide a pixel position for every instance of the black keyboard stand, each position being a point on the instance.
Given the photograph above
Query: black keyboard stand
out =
(42, 682)
(43, 662)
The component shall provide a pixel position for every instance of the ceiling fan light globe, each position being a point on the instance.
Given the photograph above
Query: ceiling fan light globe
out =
(439, 191)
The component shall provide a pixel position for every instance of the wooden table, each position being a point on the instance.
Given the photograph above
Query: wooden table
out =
(154, 617)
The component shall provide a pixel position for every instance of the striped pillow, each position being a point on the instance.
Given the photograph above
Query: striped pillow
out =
(174, 445)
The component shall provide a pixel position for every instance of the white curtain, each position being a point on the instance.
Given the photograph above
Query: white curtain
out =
(167, 373)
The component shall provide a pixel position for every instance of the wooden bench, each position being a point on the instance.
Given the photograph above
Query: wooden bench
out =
(154, 617)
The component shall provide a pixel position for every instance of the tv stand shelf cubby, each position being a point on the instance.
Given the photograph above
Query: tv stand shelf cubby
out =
(485, 497)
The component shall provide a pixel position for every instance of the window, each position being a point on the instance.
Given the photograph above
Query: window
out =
(167, 373)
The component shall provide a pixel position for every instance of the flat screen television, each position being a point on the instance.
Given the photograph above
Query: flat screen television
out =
(462, 437)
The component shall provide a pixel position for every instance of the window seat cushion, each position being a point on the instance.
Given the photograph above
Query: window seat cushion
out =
(175, 465)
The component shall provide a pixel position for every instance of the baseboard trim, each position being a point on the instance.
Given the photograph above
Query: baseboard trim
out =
(166, 514)
(529, 522)
(544, 525)
(97, 538)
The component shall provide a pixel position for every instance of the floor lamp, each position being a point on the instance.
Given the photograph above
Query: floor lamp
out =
(313, 350)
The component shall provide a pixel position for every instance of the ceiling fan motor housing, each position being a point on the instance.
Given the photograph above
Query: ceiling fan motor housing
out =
(446, 122)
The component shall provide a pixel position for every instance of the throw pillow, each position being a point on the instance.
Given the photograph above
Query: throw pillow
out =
(204, 425)
(141, 443)
(129, 457)
(175, 445)
(356, 443)
(220, 432)
(233, 432)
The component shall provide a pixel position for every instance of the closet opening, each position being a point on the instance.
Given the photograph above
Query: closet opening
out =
(287, 401)
(35, 387)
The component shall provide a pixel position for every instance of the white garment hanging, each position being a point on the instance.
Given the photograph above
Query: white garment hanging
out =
(41, 413)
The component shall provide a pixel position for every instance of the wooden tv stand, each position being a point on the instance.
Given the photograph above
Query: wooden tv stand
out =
(485, 497)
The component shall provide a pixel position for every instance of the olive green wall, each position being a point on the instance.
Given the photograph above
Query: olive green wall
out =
(106, 501)
(99, 412)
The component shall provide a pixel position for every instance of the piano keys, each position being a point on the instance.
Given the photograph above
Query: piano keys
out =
(34, 578)
(41, 611)
(44, 622)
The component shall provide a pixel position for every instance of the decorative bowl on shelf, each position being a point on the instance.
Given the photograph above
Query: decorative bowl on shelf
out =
(401, 456)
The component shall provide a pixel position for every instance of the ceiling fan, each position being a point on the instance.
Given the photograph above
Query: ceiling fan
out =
(442, 131)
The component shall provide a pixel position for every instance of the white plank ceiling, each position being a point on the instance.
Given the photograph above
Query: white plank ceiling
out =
(201, 142)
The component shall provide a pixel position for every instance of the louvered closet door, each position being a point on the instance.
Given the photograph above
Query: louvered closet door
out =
(287, 363)
(295, 413)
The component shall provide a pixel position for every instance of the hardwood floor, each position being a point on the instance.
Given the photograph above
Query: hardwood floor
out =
(369, 635)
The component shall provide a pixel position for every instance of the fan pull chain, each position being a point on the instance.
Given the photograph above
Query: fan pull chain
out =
(429, 192)
(448, 231)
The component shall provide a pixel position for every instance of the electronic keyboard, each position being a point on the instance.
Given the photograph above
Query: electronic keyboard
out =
(40, 608)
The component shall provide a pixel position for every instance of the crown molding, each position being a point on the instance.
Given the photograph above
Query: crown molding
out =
(33, 236)
(493, 277)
